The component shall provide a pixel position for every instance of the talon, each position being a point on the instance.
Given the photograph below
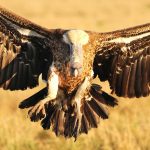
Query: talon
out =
(77, 114)
(40, 108)
(37, 112)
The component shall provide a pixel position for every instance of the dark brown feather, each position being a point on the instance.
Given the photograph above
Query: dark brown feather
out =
(90, 115)
(131, 89)
(59, 122)
(102, 96)
(119, 76)
(98, 108)
(125, 81)
(145, 89)
(138, 79)
(14, 74)
(47, 121)
(85, 125)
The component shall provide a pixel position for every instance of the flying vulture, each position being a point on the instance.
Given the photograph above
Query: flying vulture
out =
(68, 61)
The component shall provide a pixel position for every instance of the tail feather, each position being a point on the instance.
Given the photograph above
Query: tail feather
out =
(91, 115)
(85, 125)
(110, 101)
(76, 129)
(59, 122)
(68, 122)
(50, 113)
(69, 125)
(73, 123)
(98, 108)
(102, 96)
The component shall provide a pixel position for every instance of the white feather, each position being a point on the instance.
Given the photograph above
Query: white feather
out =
(53, 85)
(129, 39)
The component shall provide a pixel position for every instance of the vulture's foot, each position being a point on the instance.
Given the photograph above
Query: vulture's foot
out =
(38, 111)
(77, 118)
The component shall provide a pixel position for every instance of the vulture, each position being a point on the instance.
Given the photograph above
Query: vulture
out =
(68, 60)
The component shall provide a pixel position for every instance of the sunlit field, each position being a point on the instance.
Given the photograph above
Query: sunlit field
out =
(128, 127)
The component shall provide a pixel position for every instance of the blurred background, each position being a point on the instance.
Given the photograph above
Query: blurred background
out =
(128, 127)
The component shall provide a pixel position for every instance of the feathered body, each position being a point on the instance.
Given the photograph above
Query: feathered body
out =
(68, 61)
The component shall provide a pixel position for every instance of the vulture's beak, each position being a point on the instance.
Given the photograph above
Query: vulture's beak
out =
(76, 62)
(76, 69)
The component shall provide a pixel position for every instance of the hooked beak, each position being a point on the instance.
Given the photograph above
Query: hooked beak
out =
(76, 69)
(76, 60)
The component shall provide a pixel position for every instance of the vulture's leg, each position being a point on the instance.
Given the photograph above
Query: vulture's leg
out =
(38, 111)
(77, 103)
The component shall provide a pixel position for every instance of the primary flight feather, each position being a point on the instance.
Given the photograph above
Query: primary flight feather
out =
(69, 60)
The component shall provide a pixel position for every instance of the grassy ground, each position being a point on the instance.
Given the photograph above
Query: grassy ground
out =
(129, 123)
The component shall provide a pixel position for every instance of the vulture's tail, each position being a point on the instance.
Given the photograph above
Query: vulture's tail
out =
(64, 120)
(92, 109)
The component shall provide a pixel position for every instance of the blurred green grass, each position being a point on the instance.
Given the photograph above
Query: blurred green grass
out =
(129, 123)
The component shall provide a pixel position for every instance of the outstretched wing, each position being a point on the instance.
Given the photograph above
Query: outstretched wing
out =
(123, 58)
(23, 52)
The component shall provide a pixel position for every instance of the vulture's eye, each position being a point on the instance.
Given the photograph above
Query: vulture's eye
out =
(70, 48)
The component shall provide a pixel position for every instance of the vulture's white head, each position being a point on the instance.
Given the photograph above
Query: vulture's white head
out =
(76, 39)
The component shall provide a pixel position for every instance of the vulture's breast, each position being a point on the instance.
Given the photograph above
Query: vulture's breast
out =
(69, 82)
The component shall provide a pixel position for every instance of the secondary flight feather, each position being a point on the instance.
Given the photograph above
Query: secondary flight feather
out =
(68, 61)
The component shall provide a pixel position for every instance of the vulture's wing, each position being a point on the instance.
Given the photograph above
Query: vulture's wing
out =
(123, 58)
(23, 52)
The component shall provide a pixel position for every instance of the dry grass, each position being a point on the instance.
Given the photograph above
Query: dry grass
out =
(129, 123)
